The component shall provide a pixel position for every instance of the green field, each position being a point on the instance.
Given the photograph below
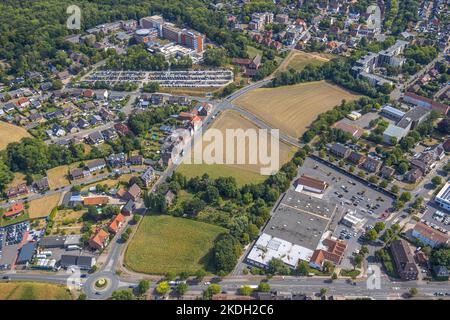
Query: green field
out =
(33, 291)
(6, 222)
(218, 170)
(164, 243)
(252, 51)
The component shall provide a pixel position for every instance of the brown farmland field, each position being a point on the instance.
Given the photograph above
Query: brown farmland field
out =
(42, 207)
(11, 133)
(244, 173)
(293, 108)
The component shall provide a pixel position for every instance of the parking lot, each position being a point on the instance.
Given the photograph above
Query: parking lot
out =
(10, 240)
(435, 217)
(352, 195)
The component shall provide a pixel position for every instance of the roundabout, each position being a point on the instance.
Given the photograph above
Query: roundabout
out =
(99, 286)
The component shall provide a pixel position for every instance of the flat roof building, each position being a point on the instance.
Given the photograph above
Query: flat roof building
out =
(443, 197)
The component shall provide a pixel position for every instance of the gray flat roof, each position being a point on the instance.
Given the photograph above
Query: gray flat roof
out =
(300, 219)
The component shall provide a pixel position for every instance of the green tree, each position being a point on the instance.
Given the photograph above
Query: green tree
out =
(182, 288)
(245, 290)
(122, 295)
(163, 288)
(263, 287)
(143, 286)
(437, 181)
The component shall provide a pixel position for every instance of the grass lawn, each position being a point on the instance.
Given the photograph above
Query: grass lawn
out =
(195, 92)
(57, 177)
(292, 108)
(218, 170)
(21, 218)
(33, 291)
(298, 60)
(11, 133)
(350, 273)
(252, 51)
(164, 243)
(42, 207)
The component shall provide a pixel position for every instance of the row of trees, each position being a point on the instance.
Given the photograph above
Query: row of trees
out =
(336, 70)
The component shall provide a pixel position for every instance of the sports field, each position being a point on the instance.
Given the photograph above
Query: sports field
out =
(244, 173)
(11, 133)
(298, 60)
(164, 243)
(293, 108)
(42, 207)
(33, 291)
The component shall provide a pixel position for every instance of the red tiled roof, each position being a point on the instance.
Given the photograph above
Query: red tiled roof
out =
(115, 222)
(99, 238)
(94, 201)
(14, 210)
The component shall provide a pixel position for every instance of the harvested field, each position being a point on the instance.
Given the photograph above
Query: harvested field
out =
(244, 173)
(11, 133)
(293, 108)
(42, 207)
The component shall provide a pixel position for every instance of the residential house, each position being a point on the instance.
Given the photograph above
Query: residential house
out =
(446, 145)
(77, 174)
(354, 131)
(41, 184)
(413, 175)
(169, 197)
(440, 273)
(128, 208)
(95, 120)
(340, 150)
(136, 160)
(387, 172)
(148, 176)
(19, 190)
(109, 134)
(95, 201)
(123, 129)
(99, 240)
(195, 123)
(72, 128)
(15, 210)
(82, 123)
(429, 236)
(133, 193)
(424, 162)
(117, 159)
(404, 260)
(56, 131)
(372, 165)
(116, 223)
(96, 165)
(356, 158)
(96, 138)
